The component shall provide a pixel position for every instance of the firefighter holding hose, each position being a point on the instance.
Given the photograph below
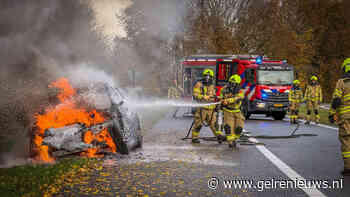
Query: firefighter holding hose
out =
(204, 92)
(340, 108)
(295, 98)
(313, 98)
(232, 97)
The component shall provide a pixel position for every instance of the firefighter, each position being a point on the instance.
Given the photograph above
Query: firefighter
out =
(313, 98)
(295, 98)
(204, 92)
(340, 108)
(174, 92)
(232, 97)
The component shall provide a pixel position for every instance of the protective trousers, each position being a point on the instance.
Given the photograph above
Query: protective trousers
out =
(233, 125)
(203, 116)
(344, 138)
(315, 107)
(294, 111)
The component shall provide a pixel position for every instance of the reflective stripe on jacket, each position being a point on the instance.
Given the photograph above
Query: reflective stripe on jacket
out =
(342, 91)
(313, 93)
(234, 100)
(295, 96)
(200, 90)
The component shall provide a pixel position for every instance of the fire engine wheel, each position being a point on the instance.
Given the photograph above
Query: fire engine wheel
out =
(278, 115)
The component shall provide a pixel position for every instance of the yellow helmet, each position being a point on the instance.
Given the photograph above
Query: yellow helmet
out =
(313, 78)
(297, 82)
(235, 79)
(209, 72)
(346, 65)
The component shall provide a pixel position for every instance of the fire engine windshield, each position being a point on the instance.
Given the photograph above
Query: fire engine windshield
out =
(275, 77)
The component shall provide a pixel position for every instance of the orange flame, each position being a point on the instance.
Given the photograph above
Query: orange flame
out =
(68, 113)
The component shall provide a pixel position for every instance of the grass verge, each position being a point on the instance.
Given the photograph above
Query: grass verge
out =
(323, 115)
(34, 180)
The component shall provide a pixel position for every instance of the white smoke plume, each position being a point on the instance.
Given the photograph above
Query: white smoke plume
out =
(85, 41)
(109, 20)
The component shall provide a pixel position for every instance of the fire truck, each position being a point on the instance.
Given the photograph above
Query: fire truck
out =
(266, 81)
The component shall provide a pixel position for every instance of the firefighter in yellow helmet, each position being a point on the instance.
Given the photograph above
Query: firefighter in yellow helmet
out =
(175, 92)
(204, 92)
(313, 98)
(340, 108)
(295, 98)
(232, 97)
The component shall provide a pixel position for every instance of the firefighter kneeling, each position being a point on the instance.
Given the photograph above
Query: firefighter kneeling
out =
(204, 92)
(232, 97)
(295, 98)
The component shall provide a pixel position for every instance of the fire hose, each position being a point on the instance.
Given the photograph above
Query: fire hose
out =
(206, 125)
(292, 135)
(244, 139)
(241, 141)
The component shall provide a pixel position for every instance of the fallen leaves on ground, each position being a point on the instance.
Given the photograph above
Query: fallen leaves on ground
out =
(138, 179)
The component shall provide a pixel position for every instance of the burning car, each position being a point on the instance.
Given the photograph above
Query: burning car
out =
(88, 121)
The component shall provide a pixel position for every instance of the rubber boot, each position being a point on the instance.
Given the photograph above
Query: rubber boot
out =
(317, 119)
(307, 119)
(296, 120)
(221, 138)
(345, 172)
(232, 144)
(195, 141)
(291, 120)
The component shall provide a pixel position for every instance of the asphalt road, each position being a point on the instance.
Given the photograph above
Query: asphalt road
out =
(169, 166)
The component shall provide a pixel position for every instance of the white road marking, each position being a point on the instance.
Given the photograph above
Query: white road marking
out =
(293, 175)
(320, 125)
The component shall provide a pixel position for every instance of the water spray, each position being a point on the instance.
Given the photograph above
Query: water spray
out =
(165, 103)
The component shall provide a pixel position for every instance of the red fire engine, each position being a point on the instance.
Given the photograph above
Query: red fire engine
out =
(265, 81)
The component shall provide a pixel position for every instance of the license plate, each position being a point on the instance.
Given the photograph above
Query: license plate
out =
(278, 105)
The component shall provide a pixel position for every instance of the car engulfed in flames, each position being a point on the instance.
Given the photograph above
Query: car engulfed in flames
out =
(73, 125)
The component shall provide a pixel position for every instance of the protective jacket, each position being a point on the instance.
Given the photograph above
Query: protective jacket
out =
(341, 107)
(234, 101)
(295, 95)
(342, 92)
(313, 93)
(204, 94)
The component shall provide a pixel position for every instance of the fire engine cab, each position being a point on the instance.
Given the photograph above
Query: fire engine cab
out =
(265, 81)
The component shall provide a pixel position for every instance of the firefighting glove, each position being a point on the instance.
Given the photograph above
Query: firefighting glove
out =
(206, 97)
(336, 103)
(331, 118)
